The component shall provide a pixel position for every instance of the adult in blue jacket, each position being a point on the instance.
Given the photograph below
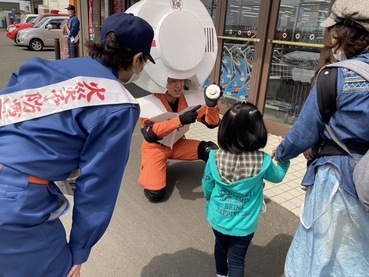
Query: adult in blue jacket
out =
(333, 236)
(72, 31)
(58, 116)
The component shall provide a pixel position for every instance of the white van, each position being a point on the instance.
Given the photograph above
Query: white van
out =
(28, 18)
(42, 34)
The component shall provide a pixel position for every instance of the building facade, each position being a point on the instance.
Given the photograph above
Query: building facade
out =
(268, 51)
(12, 11)
(43, 6)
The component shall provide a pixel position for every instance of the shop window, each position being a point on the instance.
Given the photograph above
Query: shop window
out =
(237, 58)
(236, 67)
(297, 42)
(242, 18)
(211, 6)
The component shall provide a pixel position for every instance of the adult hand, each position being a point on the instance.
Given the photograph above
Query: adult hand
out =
(75, 271)
(212, 94)
(308, 154)
(189, 116)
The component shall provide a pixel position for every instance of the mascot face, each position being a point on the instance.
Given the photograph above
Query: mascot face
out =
(175, 87)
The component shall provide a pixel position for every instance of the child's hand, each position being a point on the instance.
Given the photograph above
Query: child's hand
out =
(280, 139)
(273, 152)
(308, 154)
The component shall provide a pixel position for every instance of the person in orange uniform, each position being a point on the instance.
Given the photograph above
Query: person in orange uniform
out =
(153, 171)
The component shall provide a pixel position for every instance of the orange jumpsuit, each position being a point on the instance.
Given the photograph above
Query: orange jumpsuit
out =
(153, 171)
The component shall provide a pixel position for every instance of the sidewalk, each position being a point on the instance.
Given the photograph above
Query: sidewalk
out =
(173, 239)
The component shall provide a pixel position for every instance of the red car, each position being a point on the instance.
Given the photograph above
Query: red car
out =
(12, 30)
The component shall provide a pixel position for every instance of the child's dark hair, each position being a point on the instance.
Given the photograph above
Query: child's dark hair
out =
(242, 129)
(110, 54)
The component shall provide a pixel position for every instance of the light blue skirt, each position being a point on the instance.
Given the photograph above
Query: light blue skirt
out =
(332, 238)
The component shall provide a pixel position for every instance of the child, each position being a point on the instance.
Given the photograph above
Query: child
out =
(233, 185)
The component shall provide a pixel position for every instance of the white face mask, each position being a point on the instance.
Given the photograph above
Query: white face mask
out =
(133, 78)
(339, 55)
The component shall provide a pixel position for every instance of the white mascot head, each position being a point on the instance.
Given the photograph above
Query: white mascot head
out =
(184, 45)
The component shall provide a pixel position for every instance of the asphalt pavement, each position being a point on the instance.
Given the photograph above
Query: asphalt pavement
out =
(13, 56)
(171, 238)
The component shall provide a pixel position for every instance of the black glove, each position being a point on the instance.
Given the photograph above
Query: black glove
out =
(189, 116)
(212, 102)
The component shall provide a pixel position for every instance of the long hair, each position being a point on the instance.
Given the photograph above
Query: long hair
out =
(242, 129)
(352, 39)
(110, 54)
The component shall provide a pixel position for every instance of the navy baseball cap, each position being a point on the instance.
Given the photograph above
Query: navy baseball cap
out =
(70, 8)
(133, 33)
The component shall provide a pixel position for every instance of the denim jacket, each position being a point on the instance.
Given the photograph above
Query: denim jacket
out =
(349, 122)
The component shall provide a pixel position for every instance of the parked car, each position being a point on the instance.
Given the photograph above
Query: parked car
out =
(12, 30)
(28, 18)
(42, 34)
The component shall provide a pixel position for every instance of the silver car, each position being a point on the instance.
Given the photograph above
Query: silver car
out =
(42, 34)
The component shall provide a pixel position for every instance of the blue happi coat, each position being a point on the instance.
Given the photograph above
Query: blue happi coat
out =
(95, 139)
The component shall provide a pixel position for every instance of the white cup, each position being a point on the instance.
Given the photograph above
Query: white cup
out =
(212, 91)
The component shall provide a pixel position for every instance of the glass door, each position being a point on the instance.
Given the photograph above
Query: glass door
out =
(296, 46)
(239, 38)
(211, 6)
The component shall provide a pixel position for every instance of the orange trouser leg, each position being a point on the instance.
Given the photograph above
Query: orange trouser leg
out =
(153, 170)
(185, 149)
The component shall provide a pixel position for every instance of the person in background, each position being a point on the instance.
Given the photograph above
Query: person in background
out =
(233, 185)
(72, 114)
(72, 32)
(154, 155)
(332, 238)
